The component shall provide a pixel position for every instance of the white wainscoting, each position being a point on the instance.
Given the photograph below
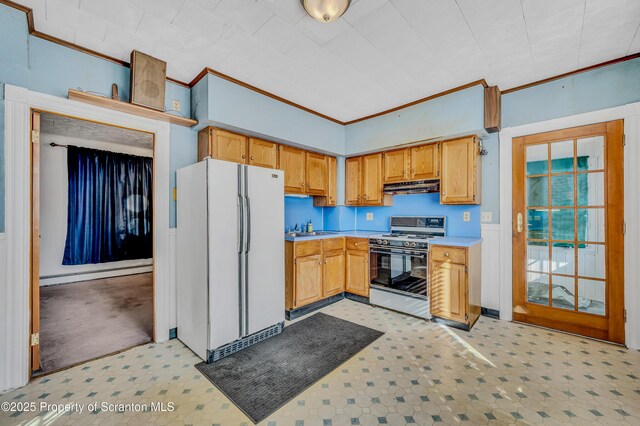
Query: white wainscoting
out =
(490, 284)
(173, 280)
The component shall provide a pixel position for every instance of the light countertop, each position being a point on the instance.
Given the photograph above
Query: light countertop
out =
(455, 241)
(356, 234)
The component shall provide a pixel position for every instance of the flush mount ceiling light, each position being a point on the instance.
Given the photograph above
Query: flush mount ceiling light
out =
(325, 10)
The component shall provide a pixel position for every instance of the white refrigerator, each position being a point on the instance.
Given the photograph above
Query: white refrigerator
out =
(230, 256)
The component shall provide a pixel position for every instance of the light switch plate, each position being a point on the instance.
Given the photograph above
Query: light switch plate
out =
(486, 217)
(467, 216)
(369, 216)
(175, 105)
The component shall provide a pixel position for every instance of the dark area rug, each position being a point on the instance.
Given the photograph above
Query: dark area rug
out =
(264, 377)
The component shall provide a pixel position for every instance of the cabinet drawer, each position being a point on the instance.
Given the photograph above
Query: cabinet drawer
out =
(331, 244)
(308, 248)
(357, 244)
(448, 254)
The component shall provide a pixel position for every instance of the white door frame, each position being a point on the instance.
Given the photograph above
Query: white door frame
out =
(630, 113)
(15, 308)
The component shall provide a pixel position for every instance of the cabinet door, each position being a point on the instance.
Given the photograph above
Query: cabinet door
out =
(352, 180)
(229, 146)
(263, 153)
(292, 161)
(333, 273)
(332, 196)
(396, 165)
(425, 163)
(372, 179)
(308, 280)
(460, 172)
(205, 137)
(448, 291)
(357, 272)
(316, 174)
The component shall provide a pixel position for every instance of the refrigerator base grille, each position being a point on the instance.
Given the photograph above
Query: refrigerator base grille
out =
(245, 342)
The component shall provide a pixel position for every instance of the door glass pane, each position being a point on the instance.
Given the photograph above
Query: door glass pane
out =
(562, 157)
(563, 293)
(538, 224)
(591, 225)
(537, 257)
(591, 153)
(591, 189)
(591, 261)
(563, 259)
(538, 191)
(537, 159)
(538, 288)
(592, 296)
(562, 221)
(562, 190)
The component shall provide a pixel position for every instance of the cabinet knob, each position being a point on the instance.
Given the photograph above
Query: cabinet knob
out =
(446, 254)
(325, 262)
(243, 156)
(320, 262)
(252, 157)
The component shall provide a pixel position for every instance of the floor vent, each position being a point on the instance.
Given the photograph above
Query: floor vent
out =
(238, 345)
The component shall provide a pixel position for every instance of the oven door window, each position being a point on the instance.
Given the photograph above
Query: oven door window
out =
(399, 271)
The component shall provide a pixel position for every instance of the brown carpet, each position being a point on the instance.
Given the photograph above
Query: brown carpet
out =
(90, 319)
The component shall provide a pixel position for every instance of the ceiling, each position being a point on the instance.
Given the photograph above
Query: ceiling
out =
(59, 125)
(380, 54)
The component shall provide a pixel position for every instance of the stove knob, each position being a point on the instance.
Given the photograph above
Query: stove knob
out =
(414, 244)
(385, 242)
(380, 241)
(406, 244)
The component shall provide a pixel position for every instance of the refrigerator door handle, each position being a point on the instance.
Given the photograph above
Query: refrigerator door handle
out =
(246, 253)
(248, 224)
(240, 223)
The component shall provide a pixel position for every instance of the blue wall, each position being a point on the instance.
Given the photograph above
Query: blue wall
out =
(46, 67)
(421, 205)
(222, 103)
(454, 114)
(605, 87)
(299, 210)
(340, 218)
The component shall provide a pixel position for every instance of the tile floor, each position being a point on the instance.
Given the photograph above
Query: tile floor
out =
(417, 373)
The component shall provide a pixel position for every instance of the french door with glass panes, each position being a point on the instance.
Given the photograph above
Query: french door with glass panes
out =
(568, 247)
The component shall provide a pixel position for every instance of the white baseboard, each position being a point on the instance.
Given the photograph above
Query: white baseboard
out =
(490, 281)
(88, 276)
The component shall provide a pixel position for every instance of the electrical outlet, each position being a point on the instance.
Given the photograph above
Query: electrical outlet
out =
(467, 216)
(486, 217)
(369, 216)
(175, 105)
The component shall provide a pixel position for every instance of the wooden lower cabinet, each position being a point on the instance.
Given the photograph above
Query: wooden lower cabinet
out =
(333, 273)
(454, 286)
(357, 266)
(318, 269)
(308, 279)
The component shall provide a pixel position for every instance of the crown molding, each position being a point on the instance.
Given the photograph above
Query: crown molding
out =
(570, 73)
(31, 26)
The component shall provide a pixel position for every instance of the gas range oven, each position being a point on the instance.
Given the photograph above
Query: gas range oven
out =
(399, 263)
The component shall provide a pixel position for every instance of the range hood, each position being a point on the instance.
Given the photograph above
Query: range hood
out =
(415, 187)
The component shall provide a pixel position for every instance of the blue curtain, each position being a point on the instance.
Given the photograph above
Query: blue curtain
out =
(110, 207)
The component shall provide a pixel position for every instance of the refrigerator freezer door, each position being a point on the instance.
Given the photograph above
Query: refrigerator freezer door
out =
(191, 253)
(265, 243)
(224, 267)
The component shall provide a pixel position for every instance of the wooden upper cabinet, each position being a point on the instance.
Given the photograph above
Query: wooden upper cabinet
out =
(396, 165)
(353, 176)
(316, 173)
(293, 162)
(372, 179)
(331, 198)
(460, 179)
(228, 146)
(263, 153)
(424, 162)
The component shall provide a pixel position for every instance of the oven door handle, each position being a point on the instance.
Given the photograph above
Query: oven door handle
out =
(412, 254)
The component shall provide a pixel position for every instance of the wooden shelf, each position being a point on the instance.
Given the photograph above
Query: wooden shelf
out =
(101, 101)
